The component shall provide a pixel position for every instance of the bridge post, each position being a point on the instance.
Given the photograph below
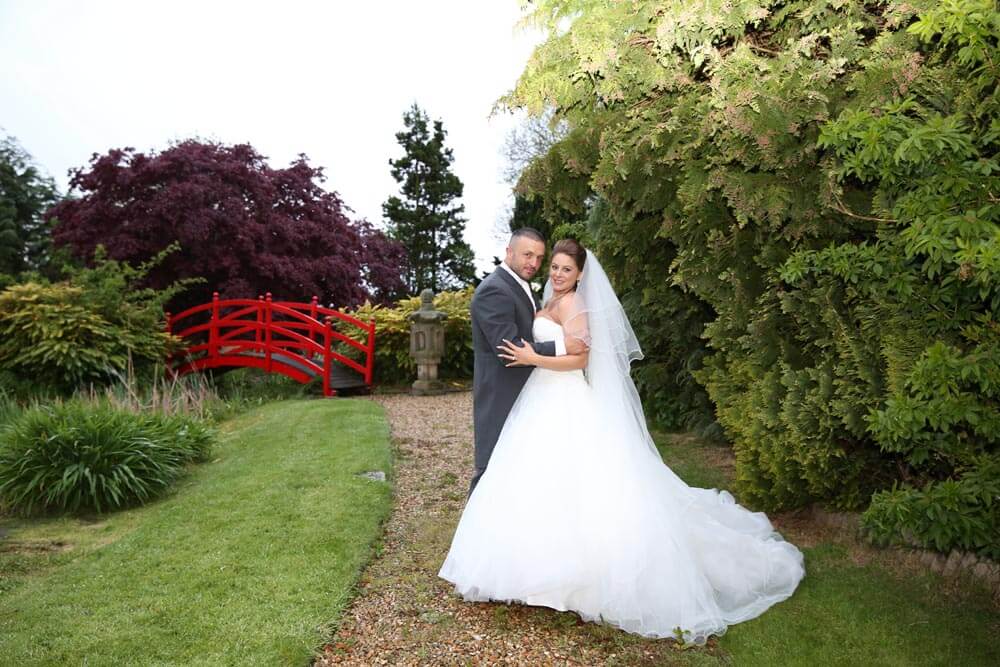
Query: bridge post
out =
(267, 333)
(370, 357)
(312, 313)
(213, 328)
(260, 321)
(327, 358)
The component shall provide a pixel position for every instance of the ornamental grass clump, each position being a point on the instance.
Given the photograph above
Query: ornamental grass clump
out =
(81, 456)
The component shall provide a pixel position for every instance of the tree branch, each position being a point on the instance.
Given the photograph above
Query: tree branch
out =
(839, 206)
(762, 49)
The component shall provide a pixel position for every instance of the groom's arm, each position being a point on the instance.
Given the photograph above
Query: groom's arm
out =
(547, 348)
(495, 314)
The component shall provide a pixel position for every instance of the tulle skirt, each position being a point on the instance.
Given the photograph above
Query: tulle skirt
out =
(570, 516)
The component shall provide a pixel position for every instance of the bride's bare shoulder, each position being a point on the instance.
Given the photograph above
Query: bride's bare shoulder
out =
(566, 307)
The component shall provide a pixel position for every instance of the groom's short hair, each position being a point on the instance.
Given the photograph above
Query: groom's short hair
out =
(529, 232)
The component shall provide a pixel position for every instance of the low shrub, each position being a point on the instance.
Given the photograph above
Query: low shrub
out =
(211, 397)
(961, 513)
(48, 332)
(393, 364)
(24, 390)
(81, 456)
(87, 328)
(241, 389)
(942, 426)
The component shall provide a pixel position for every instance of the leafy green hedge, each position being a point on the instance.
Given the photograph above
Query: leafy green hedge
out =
(393, 364)
(81, 456)
(823, 181)
(667, 321)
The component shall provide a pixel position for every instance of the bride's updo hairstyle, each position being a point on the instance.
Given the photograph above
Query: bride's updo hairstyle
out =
(572, 248)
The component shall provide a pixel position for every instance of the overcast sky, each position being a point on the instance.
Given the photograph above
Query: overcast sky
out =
(329, 79)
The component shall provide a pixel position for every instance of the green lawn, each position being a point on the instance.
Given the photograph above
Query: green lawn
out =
(249, 561)
(845, 614)
(857, 605)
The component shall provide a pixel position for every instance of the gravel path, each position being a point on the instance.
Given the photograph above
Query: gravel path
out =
(405, 615)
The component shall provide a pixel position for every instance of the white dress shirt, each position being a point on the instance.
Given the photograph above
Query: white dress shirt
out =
(560, 343)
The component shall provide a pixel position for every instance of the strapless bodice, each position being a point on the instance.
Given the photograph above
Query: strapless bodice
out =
(545, 329)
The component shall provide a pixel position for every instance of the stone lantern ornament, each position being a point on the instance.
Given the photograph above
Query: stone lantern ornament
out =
(427, 345)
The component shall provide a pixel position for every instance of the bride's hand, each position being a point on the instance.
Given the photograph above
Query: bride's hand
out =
(517, 355)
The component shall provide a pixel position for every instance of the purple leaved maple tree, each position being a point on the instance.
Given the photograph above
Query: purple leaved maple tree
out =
(244, 226)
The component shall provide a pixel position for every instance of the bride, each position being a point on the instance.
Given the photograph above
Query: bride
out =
(577, 511)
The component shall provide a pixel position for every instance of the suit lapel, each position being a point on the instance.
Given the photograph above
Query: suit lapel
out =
(518, 290)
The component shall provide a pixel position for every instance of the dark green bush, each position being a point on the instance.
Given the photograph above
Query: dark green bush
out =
(80, 456)
(191, 437)
(667, 320)
(250, 385)
(25, 389)
(942, 424)
(9, 408)
(962, 513)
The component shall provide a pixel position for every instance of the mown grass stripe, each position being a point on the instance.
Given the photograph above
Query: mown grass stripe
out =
(246, 563)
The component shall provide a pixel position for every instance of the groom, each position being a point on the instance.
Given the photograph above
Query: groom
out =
(503, 307)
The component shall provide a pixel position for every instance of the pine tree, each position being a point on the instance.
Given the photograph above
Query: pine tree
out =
(528, 213)
(25, 194)
(426, 219)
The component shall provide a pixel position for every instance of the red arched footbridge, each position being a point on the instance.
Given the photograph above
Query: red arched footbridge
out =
(301, 340)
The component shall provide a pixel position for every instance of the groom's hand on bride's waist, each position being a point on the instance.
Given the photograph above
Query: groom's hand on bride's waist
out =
(513, 354)
(522, 353)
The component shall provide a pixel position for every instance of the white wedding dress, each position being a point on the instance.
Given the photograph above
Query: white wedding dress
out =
(569, 517)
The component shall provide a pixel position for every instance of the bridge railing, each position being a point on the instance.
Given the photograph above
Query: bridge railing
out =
(300, 340)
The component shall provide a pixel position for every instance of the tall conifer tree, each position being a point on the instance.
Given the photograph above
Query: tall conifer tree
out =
(25, 194)
(426, 218)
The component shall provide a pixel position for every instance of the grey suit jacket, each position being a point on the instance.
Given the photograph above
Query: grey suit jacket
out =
(500, 309)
